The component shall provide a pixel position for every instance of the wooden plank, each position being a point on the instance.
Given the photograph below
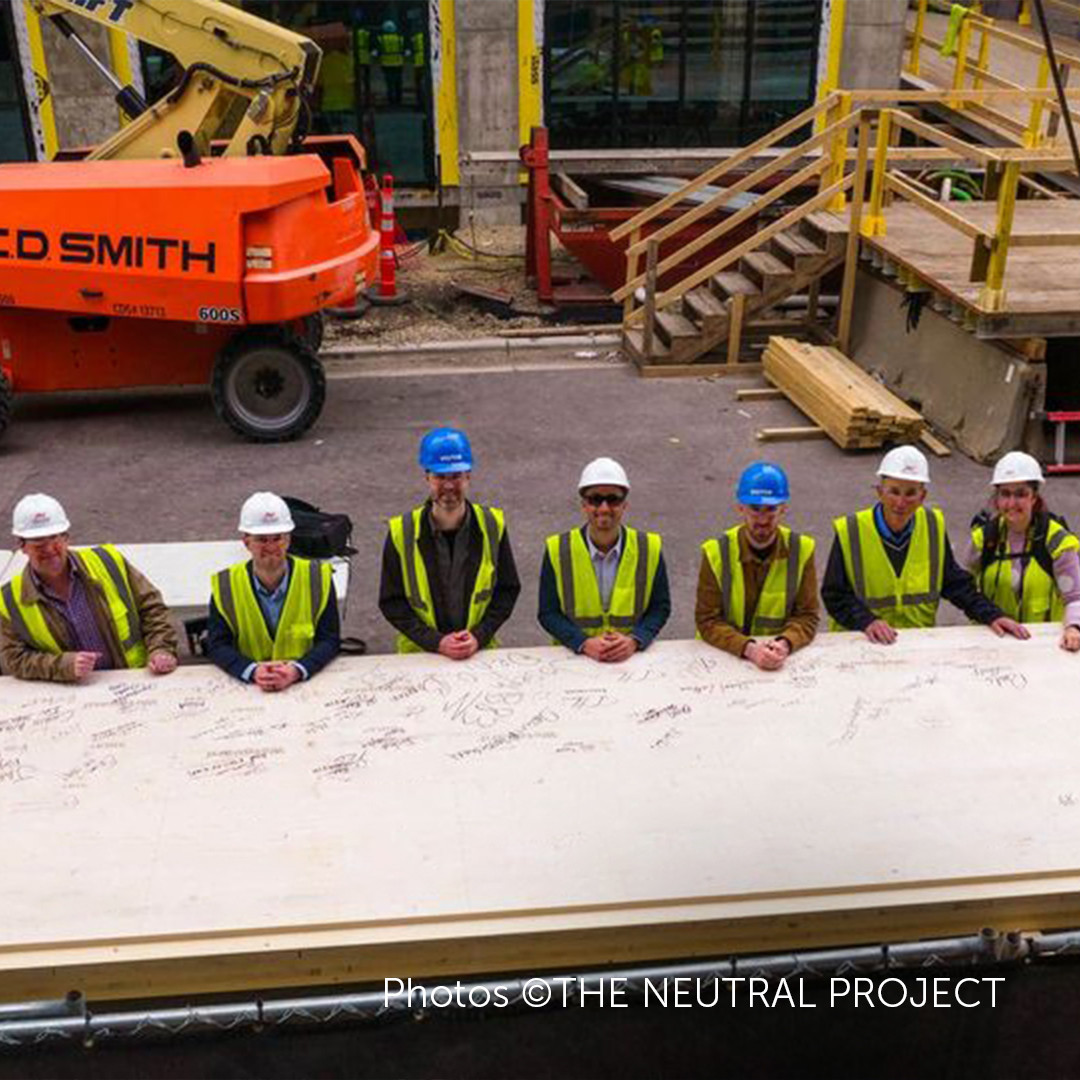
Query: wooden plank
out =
(790, 434)
(933, 443)
(235, 859)
(696, 371)
(571, 191)
(735, 329)
(764, 393)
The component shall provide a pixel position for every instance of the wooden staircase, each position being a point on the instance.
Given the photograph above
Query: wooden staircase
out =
(786, 265)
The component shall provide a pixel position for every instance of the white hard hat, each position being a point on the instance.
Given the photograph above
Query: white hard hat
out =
(603, 470)
(1017, 467)
(265, 514)
(38, 515)
(905, 463)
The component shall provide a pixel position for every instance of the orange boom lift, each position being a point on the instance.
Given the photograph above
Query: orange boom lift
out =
(152, 263)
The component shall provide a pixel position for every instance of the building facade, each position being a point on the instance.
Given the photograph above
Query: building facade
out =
(443, 92)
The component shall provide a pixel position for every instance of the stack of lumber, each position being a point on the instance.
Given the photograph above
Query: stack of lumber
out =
(853, 408)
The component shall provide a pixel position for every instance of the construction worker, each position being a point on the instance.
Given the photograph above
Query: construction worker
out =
(448, 575)
(390, 52)
(604, 586)
(337, 79)
(757, 587)
(1023, 557)
(77, 610)
(273, 618)
(891, 564)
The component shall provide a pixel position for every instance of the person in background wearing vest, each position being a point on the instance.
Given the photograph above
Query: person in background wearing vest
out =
(389, 50)
(1023, 558)
(76, 610)
(604, 587)
(891, 564)
(757, 587)
(274, 617)
(448, 575)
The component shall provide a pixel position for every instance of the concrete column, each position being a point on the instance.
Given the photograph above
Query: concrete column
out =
(487, 82)
(873, 44)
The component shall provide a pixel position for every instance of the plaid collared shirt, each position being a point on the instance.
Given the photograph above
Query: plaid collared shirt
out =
(78, 612)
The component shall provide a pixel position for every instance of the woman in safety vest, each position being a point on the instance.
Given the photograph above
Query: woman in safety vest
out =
(1023, 557)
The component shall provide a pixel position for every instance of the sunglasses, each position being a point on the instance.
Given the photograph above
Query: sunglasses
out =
(599, 500)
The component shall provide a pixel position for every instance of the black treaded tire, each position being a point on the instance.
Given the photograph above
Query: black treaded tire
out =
(314, 325)
(268, 385)
(6, 403)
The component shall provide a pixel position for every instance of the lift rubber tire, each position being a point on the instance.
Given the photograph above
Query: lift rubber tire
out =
(268, 386)
(6, 403)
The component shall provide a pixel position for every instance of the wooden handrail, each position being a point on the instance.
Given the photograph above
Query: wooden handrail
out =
(822, 198)
(718, 170)
(950, 142)
(932, 206)
(804, 176)
(758, 176)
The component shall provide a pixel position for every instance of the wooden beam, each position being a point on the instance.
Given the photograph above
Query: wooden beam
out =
(790, 434)
(571, 191)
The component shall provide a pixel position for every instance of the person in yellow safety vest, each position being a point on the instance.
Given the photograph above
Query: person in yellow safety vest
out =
(656, 43)
(273, 618)
(1023, 557)
(604, 586)
(634, 60)
(363, 61)
(757, 587)
(418, 43)
(891, 564)
(390, 52)
(448, 575)
(75, 610)
(337, 83)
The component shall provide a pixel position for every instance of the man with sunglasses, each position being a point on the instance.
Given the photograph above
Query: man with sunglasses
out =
(604, 587)
(891, 564)
(757, 587)
(76, 610)
(273, 618)
(448, 575)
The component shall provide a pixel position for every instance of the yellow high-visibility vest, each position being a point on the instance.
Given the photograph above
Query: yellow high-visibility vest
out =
(776, 601)
(405, 534)
(579, 591)
(391, 50)
(1040, 599)
(338, 82)
(310, 590)
(910, 600)
(105, 566)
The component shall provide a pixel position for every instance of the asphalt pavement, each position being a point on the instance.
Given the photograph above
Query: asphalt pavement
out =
(158, 466)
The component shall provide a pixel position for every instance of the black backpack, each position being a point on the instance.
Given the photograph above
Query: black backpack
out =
(1039, 551)
(319, 535)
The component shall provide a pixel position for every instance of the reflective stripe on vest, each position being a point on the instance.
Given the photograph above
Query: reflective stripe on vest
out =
(579, 591)
(910, 600)
(103, 565)
(776, 601)
(310, 590)
(391, 50)
(404, 534)
(1040, 599)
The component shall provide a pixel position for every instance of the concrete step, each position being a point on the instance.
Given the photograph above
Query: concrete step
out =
(826, 230)
(765, 270)
(704, 308)
(731, 283)
(673, 328)
(634, 346)
(796, 250)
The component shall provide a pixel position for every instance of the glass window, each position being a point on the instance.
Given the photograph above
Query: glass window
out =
(14, 144)
(634, 73)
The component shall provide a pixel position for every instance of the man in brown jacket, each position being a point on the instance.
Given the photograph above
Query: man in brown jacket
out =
(757, 588)
(72, 611)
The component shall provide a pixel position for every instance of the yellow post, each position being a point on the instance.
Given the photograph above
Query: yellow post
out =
(917, 36)
(983, 63)
(530, 90)
(1033, 132)
(833, 57)
(46, 114)
(873, 221)
(120, 59)
(960, 71)
(851, 256)
(992, 296)
(446, 102)
(1024, 18)
(838, 153)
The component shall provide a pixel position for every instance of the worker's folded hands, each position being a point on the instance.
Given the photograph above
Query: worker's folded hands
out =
(459, 645)
(162, 662)
(275, 675)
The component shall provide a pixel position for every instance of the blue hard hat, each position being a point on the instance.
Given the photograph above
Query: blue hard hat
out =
(389, 27)
(445, 450)
(763, 484)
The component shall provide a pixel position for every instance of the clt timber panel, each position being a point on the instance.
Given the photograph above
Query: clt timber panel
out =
(529, 809)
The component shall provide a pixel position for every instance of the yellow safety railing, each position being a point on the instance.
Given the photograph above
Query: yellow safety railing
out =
(968, 69)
